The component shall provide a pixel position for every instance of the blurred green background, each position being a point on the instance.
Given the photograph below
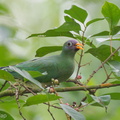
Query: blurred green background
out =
(21, 18)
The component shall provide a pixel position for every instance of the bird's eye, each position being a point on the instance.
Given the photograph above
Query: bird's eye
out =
(69, 44)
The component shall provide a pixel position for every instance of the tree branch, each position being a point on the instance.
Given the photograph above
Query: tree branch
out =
(102, 65)
(62, 89)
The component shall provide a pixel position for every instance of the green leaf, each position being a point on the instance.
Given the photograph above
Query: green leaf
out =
(69, 26)
(94, 20)
(89, 98)
(103, 33)
(35, 73)
(9, 101)
(114, 96)
(103, 52)
(71, 112)
(77, 13)
(115, 65)
(116, 39)
(112, 14)
(53, 33)
(115, 30)
(68, 19)
(45, 50)
(87, 41)
(41, 98)
(116, 82)
(6, 75)
(3, 9)
(101, 100)
(26, 75)
(5, 116)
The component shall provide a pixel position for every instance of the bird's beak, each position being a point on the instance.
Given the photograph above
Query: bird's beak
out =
(79, 46)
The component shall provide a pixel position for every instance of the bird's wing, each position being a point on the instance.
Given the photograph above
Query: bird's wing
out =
(48, 66)
(39, 64)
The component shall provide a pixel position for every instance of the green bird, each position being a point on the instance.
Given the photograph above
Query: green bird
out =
(58, 67)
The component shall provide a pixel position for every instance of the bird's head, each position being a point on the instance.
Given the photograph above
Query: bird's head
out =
(71, 47)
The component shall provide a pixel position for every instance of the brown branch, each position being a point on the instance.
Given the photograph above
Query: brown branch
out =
(53, 106)
(102, 65)
(105, 70)
(62, 89)
(28, 89)
(85, 88)
(108, 77)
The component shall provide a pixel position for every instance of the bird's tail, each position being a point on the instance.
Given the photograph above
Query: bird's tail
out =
(2, 67)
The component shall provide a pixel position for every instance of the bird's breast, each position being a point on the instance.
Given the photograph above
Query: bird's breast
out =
(65, 70)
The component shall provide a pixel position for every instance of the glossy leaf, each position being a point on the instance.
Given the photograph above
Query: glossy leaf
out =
(103, 52)
(41, 98)
(89, 98)
(103, 33)
(69, 25)
(26, 75)
(94, 20)
(71, 112)
(116, 39)
(116, 82)
(53, 33)
(46, 50)
(87, 41)
(115, 30)
(77, 13)
(5, 116)
(35, 73)
(112, 14)
(102, 101)
(68, 19)
(6, 76)
(114, 96)
(115, 65)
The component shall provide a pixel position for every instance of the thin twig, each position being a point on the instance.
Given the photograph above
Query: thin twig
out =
(105, 70)
(82, 101)
(88, 63)
(79, 65)
(61, 102)
(53, 106)
(3, 86)
(108, 77)
(81, 55)
(50, 111)
(28, 89)
(101, 65)
(17, 99)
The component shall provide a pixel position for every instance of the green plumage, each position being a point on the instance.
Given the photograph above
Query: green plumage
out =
(58, 67)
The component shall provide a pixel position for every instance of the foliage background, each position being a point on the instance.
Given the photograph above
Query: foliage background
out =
(19, 19)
